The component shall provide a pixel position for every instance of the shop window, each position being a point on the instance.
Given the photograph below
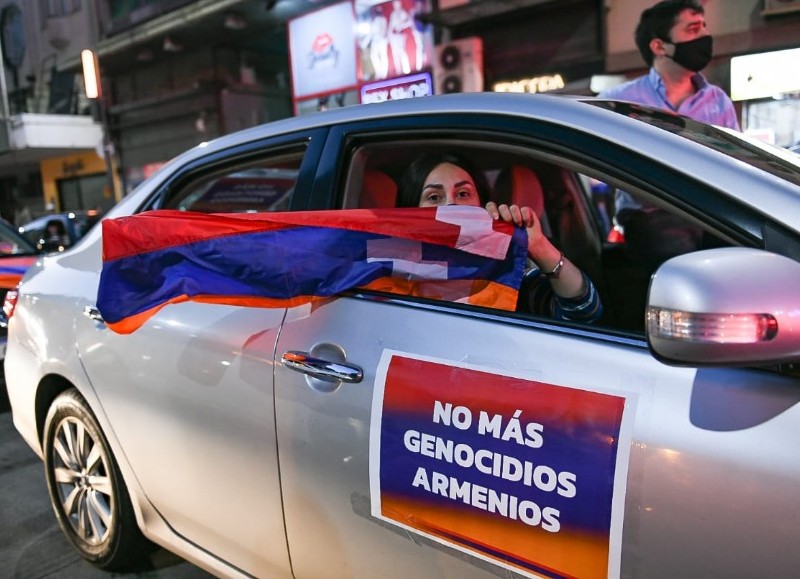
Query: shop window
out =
(85, 192)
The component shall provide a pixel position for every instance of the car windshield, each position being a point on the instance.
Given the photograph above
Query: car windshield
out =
(774, 160)
(13, 244)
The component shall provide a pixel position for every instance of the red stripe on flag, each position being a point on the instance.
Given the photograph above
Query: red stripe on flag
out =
(159, 229)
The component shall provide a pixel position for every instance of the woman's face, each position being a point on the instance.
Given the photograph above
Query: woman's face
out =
(449, 184)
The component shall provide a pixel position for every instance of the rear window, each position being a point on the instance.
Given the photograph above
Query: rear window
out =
(13, 244)
(246, 191)
(255, 186)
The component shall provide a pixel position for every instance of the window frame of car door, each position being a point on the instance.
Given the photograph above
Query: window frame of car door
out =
(312, 141)
(571, 148)
(564, 144)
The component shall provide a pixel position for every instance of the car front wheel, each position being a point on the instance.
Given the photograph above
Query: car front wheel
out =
(86, 489)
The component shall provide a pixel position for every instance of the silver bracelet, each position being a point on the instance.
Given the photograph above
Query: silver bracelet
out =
(556, 270)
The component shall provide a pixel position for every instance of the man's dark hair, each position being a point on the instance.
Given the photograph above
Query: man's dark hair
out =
(414, 177)
(657, 21)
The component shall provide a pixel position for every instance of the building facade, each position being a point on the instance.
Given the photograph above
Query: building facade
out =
(45, 116)
(175, 73)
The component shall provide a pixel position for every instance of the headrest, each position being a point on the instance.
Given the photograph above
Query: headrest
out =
(520, 185)
(378, 190)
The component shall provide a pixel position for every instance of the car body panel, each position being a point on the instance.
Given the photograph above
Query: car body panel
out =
(213, 442)
(706, 454)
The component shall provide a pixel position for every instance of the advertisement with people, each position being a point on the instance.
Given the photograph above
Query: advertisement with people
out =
(392, 39)
(337, 50)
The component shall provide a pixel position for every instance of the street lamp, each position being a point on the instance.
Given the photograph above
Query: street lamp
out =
(94, 92)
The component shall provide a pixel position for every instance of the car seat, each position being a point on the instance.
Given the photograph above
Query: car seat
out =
(520, 185)
(556, 198)
(378, 190)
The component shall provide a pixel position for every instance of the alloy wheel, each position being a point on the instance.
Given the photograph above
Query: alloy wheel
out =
(83, 482)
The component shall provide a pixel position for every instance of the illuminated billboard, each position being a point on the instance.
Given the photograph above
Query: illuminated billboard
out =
(322, 49)
(392, 40)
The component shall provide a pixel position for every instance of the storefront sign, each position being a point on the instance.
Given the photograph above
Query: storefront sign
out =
(323, 51)
(765, 75)
(536, 84)
(72, 166)
(416, 85)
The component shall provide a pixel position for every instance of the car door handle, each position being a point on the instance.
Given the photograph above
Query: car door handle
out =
(93, 313)
(323, 369)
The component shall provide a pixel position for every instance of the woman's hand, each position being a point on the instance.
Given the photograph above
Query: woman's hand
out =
(569, 282)
(525, 217)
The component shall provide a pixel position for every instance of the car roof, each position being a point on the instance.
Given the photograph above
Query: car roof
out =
(78, 214)
(761, 190)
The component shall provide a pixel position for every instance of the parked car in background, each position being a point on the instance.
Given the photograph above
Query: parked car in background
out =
(16, 256)
(59, 231)
(382, 433)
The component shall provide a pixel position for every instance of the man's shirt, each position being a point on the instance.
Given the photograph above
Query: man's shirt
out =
(710, 104)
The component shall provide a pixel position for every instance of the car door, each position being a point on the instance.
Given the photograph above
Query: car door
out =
(458, 442)
(190, 394)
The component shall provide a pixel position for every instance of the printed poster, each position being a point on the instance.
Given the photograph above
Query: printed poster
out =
(525, 474)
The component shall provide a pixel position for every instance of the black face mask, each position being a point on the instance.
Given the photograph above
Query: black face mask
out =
(694, 54)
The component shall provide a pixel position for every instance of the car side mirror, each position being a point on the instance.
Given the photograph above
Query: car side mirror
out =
(725, 307)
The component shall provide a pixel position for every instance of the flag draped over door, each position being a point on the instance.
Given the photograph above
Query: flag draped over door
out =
(292, 258)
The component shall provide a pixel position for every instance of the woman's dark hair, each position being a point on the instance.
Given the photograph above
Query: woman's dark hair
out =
(658, 20)
(414, 177)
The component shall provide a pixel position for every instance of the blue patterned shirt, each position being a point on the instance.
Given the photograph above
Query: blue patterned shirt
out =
(538, 297)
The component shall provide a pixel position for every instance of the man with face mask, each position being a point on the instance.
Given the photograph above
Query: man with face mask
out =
(674, 41)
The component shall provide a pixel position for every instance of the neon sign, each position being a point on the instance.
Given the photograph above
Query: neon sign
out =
(544, 83)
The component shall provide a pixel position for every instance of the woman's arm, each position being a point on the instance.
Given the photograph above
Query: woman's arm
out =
(567, 280)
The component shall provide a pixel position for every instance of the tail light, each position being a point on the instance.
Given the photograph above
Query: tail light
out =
(10, 302)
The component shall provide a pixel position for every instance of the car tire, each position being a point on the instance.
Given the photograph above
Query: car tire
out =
(87, 492)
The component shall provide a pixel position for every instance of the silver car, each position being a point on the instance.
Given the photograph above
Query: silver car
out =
(385, 435)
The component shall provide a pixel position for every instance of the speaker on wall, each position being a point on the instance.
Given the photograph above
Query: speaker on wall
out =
(458, 66)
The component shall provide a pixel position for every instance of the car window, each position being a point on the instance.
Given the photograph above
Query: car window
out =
(575, 205)
(265, 185)
(513, 175)
(12, 244)
(83, 223)
(34, 230)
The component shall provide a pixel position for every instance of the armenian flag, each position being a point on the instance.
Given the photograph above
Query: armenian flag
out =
(12, 269)
(286, 259)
